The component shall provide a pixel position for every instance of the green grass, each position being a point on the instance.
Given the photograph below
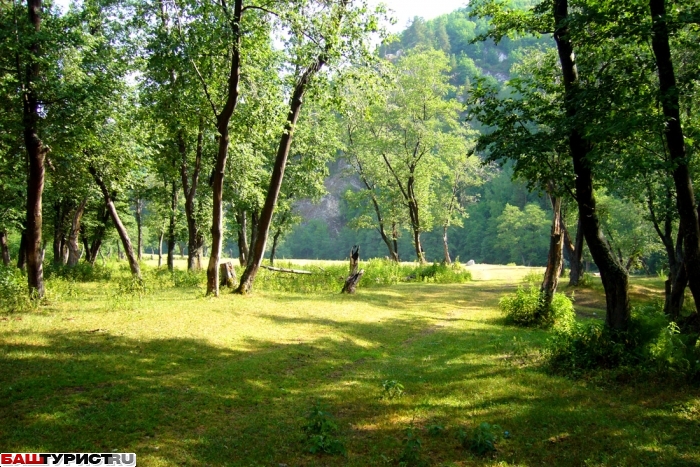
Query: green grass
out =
(181, 379)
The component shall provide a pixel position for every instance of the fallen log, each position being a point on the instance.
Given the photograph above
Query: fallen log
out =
(291, 271)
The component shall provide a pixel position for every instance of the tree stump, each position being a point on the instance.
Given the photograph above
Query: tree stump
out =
(227, 275)
(355, 275)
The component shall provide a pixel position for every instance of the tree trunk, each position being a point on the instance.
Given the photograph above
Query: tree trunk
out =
(73, 248)
(445, 247)
(121, 230)
(685, 196)
(380, 219)
(228, 275)
(574, 251)
(222, 121)
(275, 240)
(554, 262)
(139, 227)
(395, 241)
(36, 154)
(254, 221)
(22, 254)
(171, 227)
(242, 220)
(160, 248)
(258, 250)
(86, 245)
(354, 277)
(58, 235)
(420, 254)
(4, 248)
(613, 275)
(98, 238)
(195, 238)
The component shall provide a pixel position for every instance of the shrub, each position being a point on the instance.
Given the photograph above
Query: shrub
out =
(412, 455)
(81, 272)
(651, 344)
(524, 308)
(319, 430)
(482, 440)
(392, 389)
(13, 291)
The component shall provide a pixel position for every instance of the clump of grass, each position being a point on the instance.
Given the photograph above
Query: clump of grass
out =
(412, 455)
(378, 272)
(526, 308)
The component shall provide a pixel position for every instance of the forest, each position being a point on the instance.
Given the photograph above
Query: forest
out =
(183, 183)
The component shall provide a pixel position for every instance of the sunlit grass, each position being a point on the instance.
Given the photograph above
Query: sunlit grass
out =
(181, 379)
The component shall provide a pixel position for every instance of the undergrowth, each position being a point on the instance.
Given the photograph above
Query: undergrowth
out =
(651, 344)
(525, 308)
(378, 272)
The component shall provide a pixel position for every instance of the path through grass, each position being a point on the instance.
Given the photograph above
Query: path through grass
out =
(185, 380)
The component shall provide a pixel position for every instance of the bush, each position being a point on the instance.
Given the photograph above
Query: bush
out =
(319, 429)
(81, 272)
(651, 344)
(524, 308)
(13, 291)
(482, 440)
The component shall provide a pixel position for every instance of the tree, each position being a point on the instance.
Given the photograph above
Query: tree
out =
(336, 29)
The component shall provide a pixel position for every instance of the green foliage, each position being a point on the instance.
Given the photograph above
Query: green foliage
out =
(524, 308)
(435, 430)
(411, 455)
(13, 291)
(81, 272)
(319, 431)
(378, 272)
(391, 389)
(482, 440)
(651, 344)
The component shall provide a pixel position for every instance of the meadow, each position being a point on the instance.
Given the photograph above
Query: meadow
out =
(404, 371)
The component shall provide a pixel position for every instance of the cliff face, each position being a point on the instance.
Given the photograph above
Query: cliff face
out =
(328, 209)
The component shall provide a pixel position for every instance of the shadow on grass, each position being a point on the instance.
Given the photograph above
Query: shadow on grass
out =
(185, 401)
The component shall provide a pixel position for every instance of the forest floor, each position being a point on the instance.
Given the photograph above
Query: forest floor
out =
(180, 379)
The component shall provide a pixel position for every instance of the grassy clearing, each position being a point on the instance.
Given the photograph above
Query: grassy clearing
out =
(185, 380)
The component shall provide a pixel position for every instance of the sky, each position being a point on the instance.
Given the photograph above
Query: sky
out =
(405, 10)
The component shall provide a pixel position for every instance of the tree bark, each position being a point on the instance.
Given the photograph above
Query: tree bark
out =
(354, 277)
(445, 247)
(36, 153)
(5, 249)
(222, 121)
(121, 230)
(195, 238)
(275, 240)
(554, 261)
(171, 227)
(574, 251)
(160, 248)
(258, 250)
(254, 222)
(139, 227)
(98, 237)
(242, 220)
(22, 254)
(59, 237)
(73, 247)
(613, 275)
(685, 196)
(86, 245)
